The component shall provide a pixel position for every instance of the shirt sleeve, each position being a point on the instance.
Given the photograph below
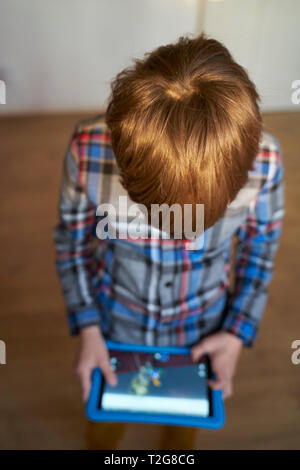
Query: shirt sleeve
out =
(73, 238)
(257, 243)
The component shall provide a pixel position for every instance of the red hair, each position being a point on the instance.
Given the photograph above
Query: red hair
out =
(185, 126)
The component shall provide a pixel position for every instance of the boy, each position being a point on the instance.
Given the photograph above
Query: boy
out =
(182, 126)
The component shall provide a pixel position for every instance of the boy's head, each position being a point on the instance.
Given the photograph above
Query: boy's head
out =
(185, 126)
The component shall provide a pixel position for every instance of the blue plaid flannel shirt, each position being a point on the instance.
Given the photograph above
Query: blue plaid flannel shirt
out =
(156, 291)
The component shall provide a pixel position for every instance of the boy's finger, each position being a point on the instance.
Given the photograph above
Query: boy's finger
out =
(199, 350)
(216, 384)
(227, 390)
(109, 375)
(85, 381)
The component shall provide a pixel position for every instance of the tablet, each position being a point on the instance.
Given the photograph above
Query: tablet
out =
(159, 385)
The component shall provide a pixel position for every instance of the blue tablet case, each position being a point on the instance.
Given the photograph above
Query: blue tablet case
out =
(216, 421)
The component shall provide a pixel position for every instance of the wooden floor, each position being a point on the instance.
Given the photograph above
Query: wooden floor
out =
(39, 399)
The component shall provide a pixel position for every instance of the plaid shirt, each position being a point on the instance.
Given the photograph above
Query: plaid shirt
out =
(155, 291)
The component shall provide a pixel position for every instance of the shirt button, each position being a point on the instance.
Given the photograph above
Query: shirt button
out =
(168, 284)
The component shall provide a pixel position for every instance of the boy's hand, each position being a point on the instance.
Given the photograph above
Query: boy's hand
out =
(92, 352)
(224, 350)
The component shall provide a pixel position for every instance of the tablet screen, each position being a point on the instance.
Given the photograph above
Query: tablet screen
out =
(158, 383)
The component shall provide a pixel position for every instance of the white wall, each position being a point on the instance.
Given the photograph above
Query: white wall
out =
(62, 54)
(264, 37)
